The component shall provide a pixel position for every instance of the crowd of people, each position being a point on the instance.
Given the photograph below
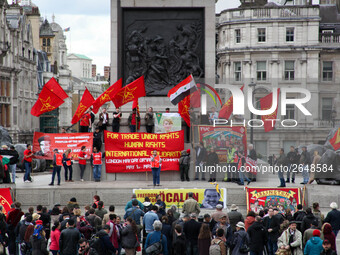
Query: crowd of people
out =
(154, 229)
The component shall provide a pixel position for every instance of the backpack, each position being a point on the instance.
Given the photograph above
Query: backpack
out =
(155, 248)
(25, 248)
(96, 244)
(215, 248)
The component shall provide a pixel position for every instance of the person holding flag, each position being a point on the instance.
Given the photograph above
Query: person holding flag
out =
(133, 120)
(156, 163)
(85, 122)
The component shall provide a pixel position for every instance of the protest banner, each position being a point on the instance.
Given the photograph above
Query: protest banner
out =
(130, 152)
(207, 198)
(45, 143)
(223, 138)
(167, 122)
(6, 200)
(281, 198)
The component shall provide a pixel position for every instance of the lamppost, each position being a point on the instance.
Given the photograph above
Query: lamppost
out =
(252, 85)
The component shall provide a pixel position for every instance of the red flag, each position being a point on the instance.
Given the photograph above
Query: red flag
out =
(195, 99)
(335, 140)
(6, 200)
(136, 105)
(183, 109)
(227, 108)
(54, 86)
(266, 103)
(85, 103)
(130, 92)
(107, 95)
(47, 101)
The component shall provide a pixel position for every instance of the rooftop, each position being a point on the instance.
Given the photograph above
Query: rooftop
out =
(79, 56)
(46, 29)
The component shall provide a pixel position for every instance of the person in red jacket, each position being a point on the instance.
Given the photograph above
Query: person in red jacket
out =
(82, 162)
(96, 162)
(28, 155)
(156, 162)
(85, 122)
(57, 164)
(55, 235)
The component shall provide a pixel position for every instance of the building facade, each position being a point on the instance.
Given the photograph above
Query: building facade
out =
(18, 74)
(285, 47)
(80, 65)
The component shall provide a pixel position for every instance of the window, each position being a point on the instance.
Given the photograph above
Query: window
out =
(238, 35)
(261, 70)
(289, 34)
(261, 34)
(290, 110)
(327, 71)
(48, 42)
(327, 104)
(238, 71)
(44, 41)
(289, 70)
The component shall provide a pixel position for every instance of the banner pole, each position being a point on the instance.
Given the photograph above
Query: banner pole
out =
(303, 195)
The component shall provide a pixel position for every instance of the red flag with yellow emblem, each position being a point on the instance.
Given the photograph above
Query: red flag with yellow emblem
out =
(270, 119)
(107, 95)
(54, 86)
(335, 141)
(47, 101)
(85, 103)
(227, 108)
(183, 109)
(130, 92)
(5, 200)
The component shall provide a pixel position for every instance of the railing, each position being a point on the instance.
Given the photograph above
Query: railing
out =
(290, 11)
(262, 12)
(329, 38)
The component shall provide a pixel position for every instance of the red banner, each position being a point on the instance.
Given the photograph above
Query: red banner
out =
(223, 138)
(131, 152)
(45, 143)
(6, 200)
(282, 198)
(270, 119)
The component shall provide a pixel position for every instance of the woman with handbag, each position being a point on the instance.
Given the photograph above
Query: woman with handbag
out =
(240, 242)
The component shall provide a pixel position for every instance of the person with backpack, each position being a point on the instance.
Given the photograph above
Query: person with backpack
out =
(184, 165)
(101, 242)
(240, 242)
(317, 213)
(135, 213)
(129, 236)
(38, 241)
(217, 246)
(156, 242)
(298, 216)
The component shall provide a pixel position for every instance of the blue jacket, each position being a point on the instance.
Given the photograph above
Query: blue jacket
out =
(313, 246)
(148, 220)
(129, 204)
(135, 213)
(155, 237)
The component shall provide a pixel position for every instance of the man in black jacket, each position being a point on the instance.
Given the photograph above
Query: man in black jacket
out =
(305, 160)
(333, 218)
(13, 162)
(307, 220)
(293, 161)
(191, 231)
(69, 238)
(298, 216)
(105, 246)
(258, 236)
(272, 225)
(201, 154)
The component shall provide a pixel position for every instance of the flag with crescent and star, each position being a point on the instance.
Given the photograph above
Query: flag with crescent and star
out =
(85, 103)
(47, 101)
(227, 108)
(130, 92)
(107, 95)
(270, 119)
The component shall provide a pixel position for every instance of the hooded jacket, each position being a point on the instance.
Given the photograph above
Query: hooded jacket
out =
(329, 235)
(313, 246)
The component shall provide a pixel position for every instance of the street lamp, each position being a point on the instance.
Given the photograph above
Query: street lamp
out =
(252, 85)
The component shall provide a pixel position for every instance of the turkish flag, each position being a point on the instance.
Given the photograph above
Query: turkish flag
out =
(183, 109)
(335, 140)
(54, 86)
(266, 103)
(130, 92)
(85, 103)
(107, 95)
(227, 108)
(47, 101)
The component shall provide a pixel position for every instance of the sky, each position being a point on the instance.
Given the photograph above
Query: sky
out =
(89, 23)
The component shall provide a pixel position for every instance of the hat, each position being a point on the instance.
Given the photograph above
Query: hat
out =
(35, 216)
(240, 224)
(316, 232)
(326, 241)
(234, 207)
(292, 222)
(38, 222)
(5, 147)
(333, 205)
(57, 205)
(219, 206)
(73, 199)
(222, 216)
(188, 151)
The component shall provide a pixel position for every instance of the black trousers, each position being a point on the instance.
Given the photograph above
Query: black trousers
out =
(115, 127)
(149, 129)
(184, 170)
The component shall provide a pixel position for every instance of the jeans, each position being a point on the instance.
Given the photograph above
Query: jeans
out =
(82, 170)
(155, 174)
(12, 169)
(192, 249)
(56, 170)
(282, 179)
(305, 174)
(288, 173)
(242, 177)
(28, 169)
(272, 247)
(133, 128)
(200, 169)
(67, 170)
(97, 170)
